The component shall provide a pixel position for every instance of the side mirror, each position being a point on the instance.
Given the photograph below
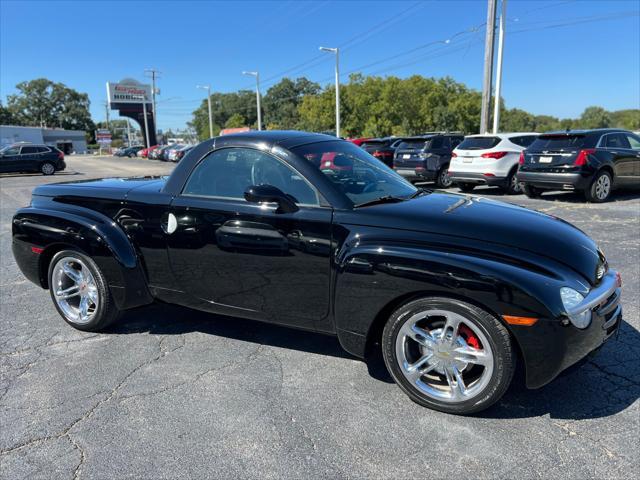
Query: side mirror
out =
(270, 194)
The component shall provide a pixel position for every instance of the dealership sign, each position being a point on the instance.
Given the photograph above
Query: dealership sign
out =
(103, 136)
(128, 92)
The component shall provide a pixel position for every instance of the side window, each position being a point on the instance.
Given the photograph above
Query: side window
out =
(226, 173)
(28, 150)
(634, 142)
(12, 151)
(42, 149)
(436, 143)
(616, 140)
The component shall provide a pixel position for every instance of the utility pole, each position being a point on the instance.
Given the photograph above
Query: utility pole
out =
(488, 66)
(208, 89)
(129, 132)
(154, 74)
(496, 102)
(257, 75)
(146, 121)
(337, 52)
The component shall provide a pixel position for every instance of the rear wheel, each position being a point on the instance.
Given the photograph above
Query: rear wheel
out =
(532, 192)
(466, 187)
(600, 189)
(79, 291)
(443, 180)
(47, 168)
(513, 186)
(448, 355)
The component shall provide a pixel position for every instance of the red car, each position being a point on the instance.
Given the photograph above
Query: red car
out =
(358, 141)
(144, 153)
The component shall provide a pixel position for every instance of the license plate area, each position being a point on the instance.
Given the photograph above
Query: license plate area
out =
(545, 159)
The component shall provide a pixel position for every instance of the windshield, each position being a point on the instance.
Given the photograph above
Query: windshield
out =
(354, 172)
(413, 144)
(479, 143)
(557, 142)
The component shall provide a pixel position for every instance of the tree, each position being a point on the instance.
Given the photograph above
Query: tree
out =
(6, 117)
(235, 121)
(282, 100)
(41, 102)
(594, 117)
(223, 106)
(628, 119)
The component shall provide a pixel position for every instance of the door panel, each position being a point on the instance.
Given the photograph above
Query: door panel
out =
(245, 257)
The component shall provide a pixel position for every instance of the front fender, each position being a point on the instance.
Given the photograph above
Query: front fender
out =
(50, 230)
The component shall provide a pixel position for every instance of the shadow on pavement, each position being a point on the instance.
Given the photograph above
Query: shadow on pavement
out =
(604, 385)
(38, 174)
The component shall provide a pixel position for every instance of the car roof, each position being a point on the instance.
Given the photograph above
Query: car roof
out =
(585, 131)
(285, 138)
(502, 135)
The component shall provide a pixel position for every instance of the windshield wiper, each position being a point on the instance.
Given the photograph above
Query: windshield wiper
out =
(420, 191)
(385, 199)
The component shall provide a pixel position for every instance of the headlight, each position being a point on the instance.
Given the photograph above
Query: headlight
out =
(571, 298)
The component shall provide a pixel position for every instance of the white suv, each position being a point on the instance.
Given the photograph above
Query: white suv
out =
(489, 160)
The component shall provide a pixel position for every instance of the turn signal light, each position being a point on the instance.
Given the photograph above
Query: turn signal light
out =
(454, 154)
(581, 159)
(522, 321)
(495, 155)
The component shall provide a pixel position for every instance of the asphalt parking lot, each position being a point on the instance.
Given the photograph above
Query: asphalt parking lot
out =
(169, 392)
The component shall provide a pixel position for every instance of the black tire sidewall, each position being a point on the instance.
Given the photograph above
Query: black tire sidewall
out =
(107, 310)
(590, 193)
(439, 175)
(531, 192)
(466, 187)
(496, 333)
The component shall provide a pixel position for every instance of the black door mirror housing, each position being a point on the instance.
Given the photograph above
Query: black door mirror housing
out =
(270, 194)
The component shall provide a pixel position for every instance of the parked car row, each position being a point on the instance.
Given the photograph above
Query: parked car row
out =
(128, 151)
(167, 153)
(594, 162)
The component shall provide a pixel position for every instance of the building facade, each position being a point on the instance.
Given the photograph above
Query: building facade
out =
(69, 141)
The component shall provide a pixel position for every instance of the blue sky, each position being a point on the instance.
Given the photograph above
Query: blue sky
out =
(560, 56)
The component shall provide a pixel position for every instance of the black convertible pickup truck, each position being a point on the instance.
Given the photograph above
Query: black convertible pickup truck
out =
(312, 232)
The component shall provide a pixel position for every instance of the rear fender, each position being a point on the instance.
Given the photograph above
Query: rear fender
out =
(47, 231)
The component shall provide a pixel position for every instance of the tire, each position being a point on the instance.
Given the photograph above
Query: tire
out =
(466, 187)
(600, 189)
(513, 187)
(443, 180)
(532, 192)
(48, 168)
(434, 380)
(89, 283)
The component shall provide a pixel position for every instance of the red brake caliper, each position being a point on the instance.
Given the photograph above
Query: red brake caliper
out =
(469, 336)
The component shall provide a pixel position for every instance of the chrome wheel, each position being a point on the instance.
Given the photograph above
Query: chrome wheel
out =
(514, 185)
(445, 180)
(603, 187)
(74, 290)
(47, 169)
(444, 355)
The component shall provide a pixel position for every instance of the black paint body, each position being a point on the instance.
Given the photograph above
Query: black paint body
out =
(334, 269)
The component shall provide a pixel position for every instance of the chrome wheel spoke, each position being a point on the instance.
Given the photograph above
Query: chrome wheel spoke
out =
(92, 293)
(85, 303)
(70, 292)
(450, 330)
(460, 389)
(72, 273)
(421, 336)
(417, 365)
(472, 355)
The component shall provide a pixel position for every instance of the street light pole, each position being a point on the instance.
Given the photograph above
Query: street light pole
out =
(337, 52)
(208, 89)
(257, 75)
(496, 101)
(146, 122)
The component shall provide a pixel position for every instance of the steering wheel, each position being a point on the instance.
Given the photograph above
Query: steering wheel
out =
(264, 173)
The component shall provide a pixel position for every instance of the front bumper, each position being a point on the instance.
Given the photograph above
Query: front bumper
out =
(477, 179)
(553, 345)
(555, 181)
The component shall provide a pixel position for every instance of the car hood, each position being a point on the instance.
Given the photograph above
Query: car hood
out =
(487, 220)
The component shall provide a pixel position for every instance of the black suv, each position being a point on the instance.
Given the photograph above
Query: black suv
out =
(31, 158)
(594, 162)
(381, 148)
(427, 157)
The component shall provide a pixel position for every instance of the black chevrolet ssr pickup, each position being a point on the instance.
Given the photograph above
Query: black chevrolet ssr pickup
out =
(312, 232)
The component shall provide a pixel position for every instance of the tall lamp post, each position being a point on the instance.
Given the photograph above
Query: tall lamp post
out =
(208, 89)
(496, 100)
(337, 52)
(146, 121)
(257, 75)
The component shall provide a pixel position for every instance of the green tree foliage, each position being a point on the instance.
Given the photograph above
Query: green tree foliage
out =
(43, 102)
(380, 106)
(6, 117)
(235, 121)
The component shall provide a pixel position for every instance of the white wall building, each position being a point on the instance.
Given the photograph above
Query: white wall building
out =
(68, 141)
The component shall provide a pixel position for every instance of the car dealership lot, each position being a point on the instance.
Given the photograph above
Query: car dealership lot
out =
(167, 391)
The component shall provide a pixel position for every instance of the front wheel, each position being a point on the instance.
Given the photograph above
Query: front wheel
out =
(448, 355)
(80, 292)
(443, 180)
(600, 189)
(466, 187)
(47, 168)
(532, 192)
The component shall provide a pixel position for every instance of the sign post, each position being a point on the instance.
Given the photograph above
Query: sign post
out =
(103, 137)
